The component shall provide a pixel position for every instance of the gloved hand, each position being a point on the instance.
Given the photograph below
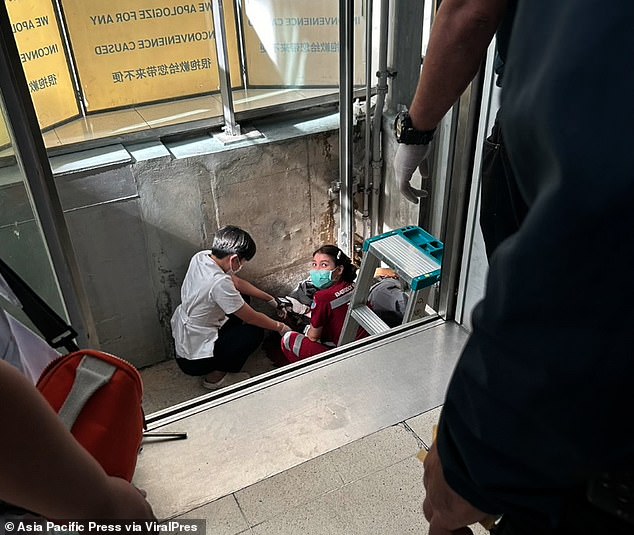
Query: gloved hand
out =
(285, 329)
(275, 303)
(290, 304)
(407, 159)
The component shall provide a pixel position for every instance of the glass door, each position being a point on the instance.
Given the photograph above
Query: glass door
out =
(22, 244)
(34, 238)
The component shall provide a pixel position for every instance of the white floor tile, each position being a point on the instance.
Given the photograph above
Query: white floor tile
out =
(423, 425)
(223, 517)
(387, 502)
(375, 452)
(288, 490)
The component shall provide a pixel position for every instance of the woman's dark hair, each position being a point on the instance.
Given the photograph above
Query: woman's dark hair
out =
(233, 240)
(341, 259)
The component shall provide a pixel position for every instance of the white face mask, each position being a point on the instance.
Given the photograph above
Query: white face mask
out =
(231, 271)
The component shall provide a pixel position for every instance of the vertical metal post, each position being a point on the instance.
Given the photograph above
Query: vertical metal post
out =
(377, 120)
(367, 184)
(346, 80)
(31, 153)
(231, 127)
(72, 64)
(457, 194)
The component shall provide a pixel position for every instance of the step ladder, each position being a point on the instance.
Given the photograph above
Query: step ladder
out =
(415, 255)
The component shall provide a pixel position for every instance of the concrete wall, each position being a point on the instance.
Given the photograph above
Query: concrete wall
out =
(135, 224)
(276, 191)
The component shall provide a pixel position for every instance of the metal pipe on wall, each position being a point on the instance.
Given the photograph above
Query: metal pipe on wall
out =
(377, 120)
(346, 83)
(32, 156)
(367, 183)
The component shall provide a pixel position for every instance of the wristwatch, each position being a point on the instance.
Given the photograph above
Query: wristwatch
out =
(407, 134)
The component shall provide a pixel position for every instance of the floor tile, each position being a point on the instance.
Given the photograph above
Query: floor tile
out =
(165, 385)
(223, 517)
(148, 150)
(261, 98)
(101, 157)
(312, 93)
(387, 502)
(320, 517)
(100, 125)
(290, 489)
(51, 139)
(423, 425)
(375, 452)
(180, 111)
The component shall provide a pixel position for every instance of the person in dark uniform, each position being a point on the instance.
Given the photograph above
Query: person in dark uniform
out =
(537, 423)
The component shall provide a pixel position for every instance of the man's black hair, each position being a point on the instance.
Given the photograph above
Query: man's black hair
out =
(231, 240)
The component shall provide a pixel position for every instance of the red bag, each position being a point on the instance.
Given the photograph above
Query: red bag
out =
(98, 397)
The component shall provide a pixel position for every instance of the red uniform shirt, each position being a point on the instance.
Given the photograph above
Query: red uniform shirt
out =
(329, 309)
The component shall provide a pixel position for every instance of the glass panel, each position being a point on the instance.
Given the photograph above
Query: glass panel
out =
(295, 44)
(135, 52)
(135, 66)
(22, 244)
(43, 56)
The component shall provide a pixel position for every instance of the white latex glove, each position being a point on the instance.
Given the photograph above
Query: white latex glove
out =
(408, 158)
(285, 329)
(290, 304)
(297, 307)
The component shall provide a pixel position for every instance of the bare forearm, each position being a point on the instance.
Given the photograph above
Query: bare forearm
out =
(246, 288)
(252, 317)
(45, 470)
(459, 39)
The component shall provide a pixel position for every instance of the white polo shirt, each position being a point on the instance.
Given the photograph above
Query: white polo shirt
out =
(207, 296)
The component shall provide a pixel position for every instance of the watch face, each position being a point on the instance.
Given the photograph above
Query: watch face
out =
(400, 125)
(406, 133)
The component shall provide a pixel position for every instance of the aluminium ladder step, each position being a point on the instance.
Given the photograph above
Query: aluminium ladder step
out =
(413, 264)
(366, 318)
(415, 256)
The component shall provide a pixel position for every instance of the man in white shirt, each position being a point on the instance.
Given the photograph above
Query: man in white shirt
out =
(214, 329)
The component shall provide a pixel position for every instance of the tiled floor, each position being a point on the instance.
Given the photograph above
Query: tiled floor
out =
(371, 486)
(165, 385)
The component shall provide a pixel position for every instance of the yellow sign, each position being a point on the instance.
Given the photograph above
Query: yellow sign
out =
(296, 42)
(131, 52)
(44, 60)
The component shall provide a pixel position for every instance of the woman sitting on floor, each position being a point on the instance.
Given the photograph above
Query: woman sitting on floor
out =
(332, 274)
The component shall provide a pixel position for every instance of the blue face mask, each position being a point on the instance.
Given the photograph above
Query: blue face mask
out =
(321, 278)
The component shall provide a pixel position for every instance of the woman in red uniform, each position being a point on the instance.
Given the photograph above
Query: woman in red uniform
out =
(332, 274)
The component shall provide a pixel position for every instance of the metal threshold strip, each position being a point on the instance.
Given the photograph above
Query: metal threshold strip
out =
(286, 417)
(268, 379)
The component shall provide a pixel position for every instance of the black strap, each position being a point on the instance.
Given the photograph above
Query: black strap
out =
(53, 328)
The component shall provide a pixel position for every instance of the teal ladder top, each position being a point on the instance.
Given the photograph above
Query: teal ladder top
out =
(416, 257)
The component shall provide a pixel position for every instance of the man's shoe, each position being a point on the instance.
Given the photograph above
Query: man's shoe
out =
(228, 379)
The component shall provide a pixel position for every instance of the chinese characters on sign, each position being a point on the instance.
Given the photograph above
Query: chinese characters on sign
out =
(44, 60)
